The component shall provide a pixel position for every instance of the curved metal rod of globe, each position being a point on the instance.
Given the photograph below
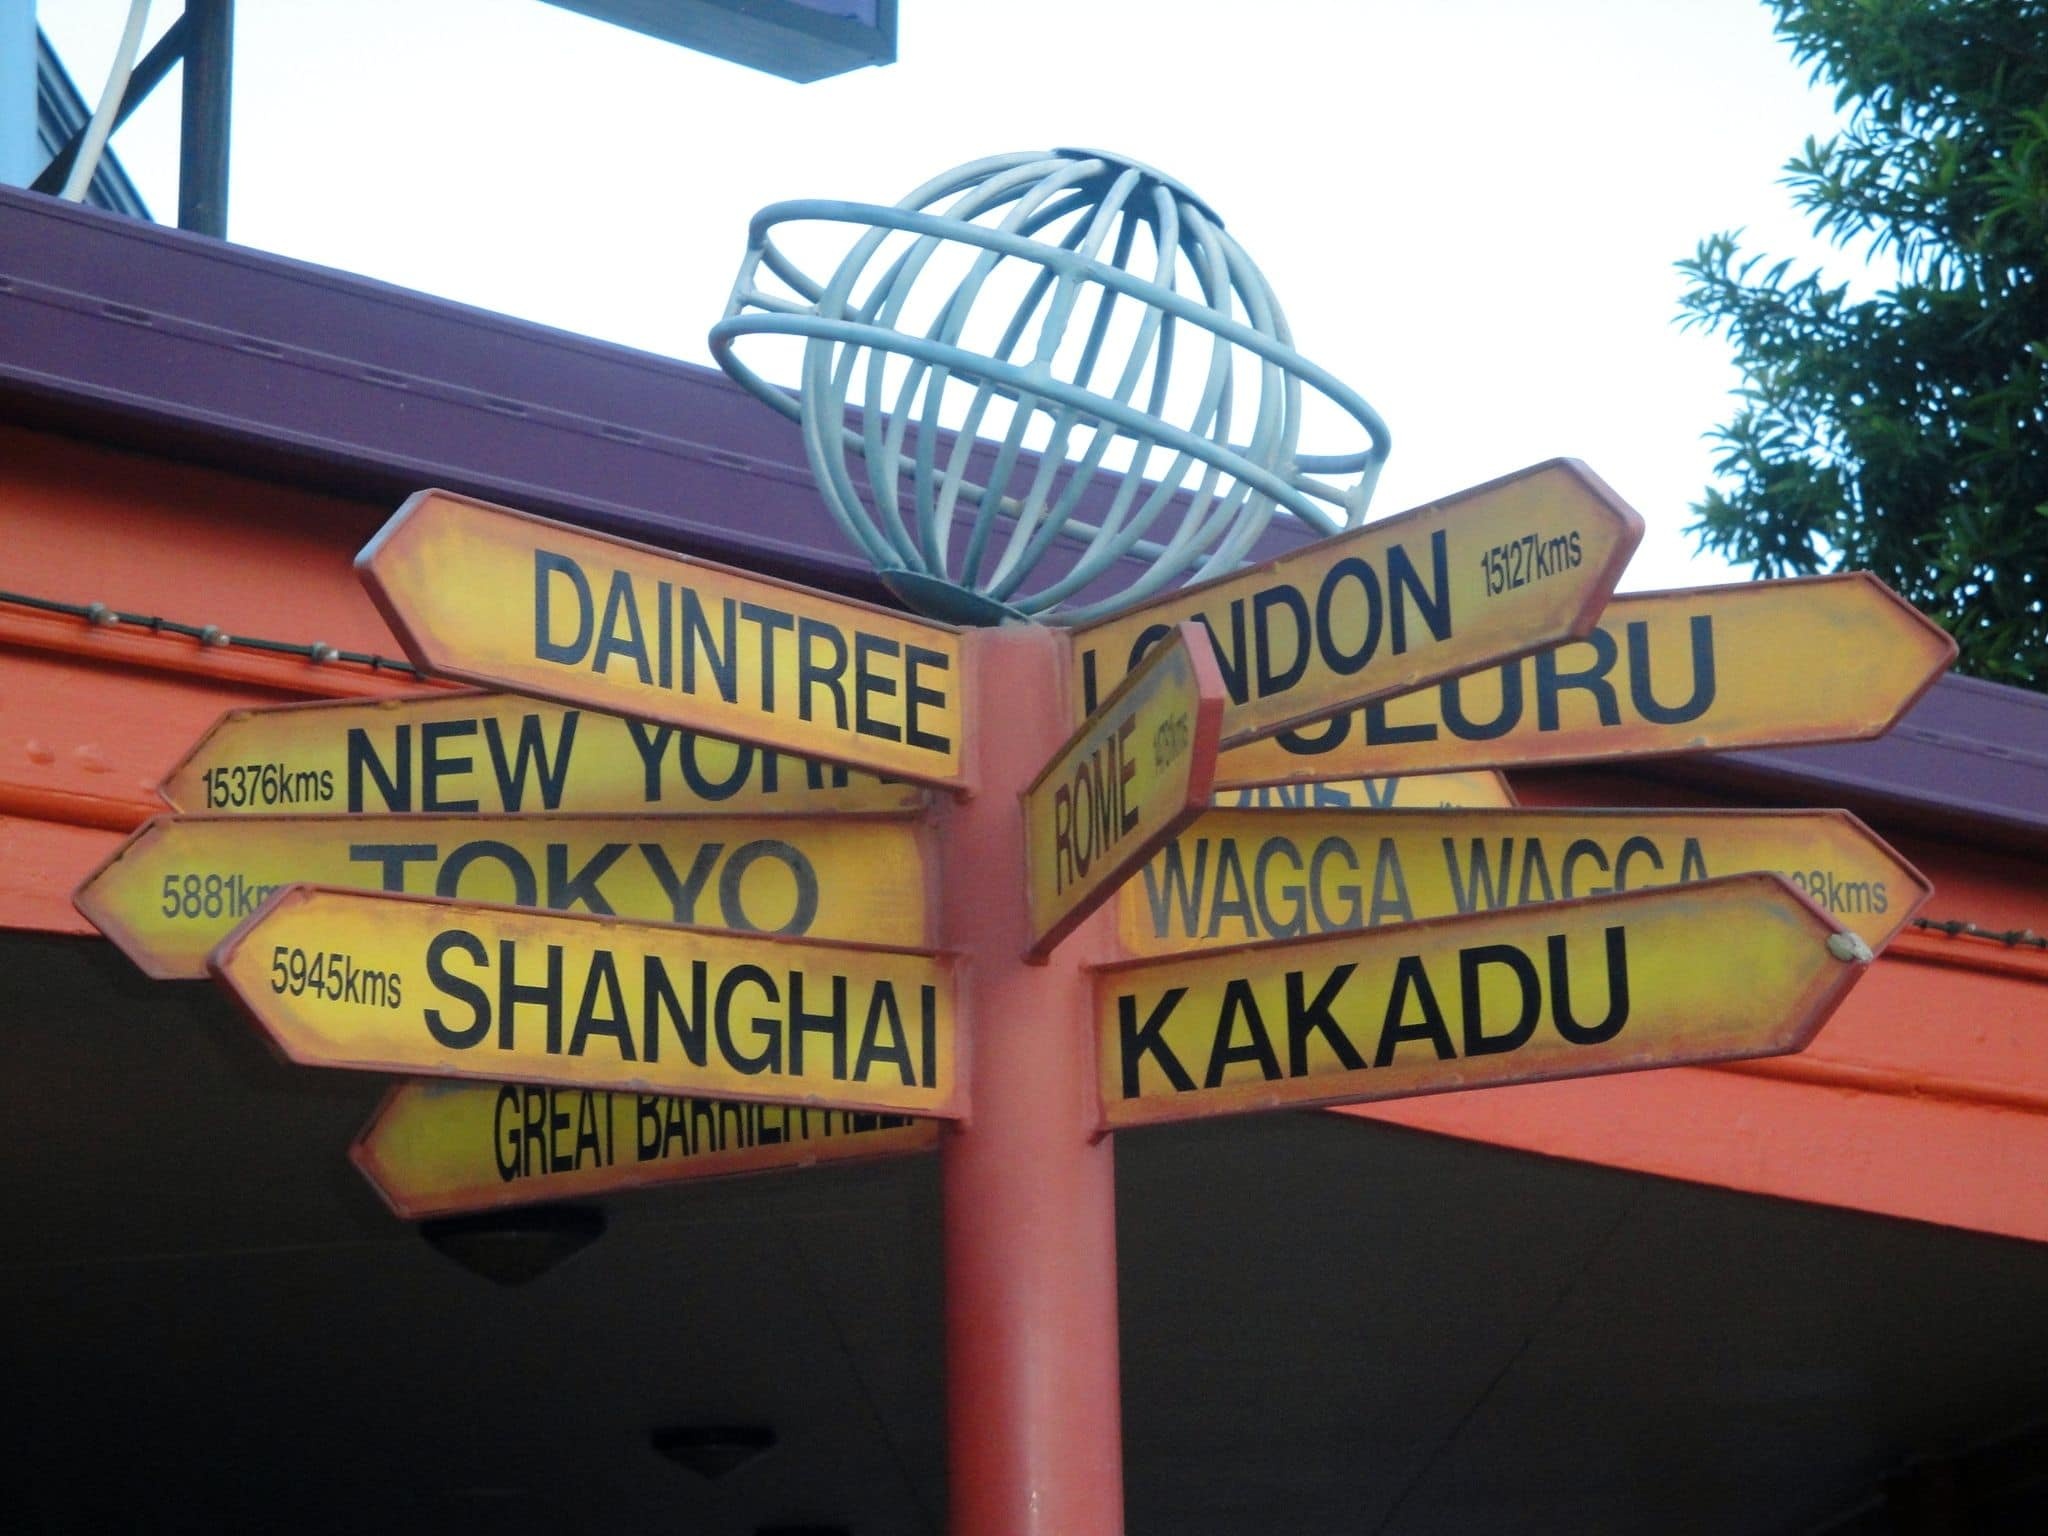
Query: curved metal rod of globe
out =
(869, 382)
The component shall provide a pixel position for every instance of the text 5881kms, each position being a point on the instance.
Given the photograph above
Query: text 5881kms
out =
(332, 975)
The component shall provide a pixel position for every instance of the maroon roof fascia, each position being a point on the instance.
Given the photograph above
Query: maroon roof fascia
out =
(183, 345)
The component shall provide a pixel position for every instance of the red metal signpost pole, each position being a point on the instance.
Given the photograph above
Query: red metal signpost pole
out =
(1033, 1413)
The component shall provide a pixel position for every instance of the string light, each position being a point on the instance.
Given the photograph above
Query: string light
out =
(101, 615)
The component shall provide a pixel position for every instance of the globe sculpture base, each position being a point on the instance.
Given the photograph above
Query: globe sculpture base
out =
(937, 598)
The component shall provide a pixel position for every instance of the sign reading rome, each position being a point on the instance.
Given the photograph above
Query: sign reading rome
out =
(459, 751)
(499, 597)
(439, 1148)
(181, 884)
(1126, 781)
(401, 985)
(1496, 571)
(1756, 664)
(1731, 968)
(1242, 877)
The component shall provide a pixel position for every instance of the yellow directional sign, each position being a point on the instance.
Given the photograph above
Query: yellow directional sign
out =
(441, 989)
(1758, 664)
(1496, 571)
(439, 1148)
(1130, 778)
(1238, 877)
(1482, 790)
(465, 751)
(493, 596)
(1732, 968)
(181, 884)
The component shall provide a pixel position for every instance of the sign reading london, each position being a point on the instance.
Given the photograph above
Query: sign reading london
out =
(1754, 664)
(1130, 778)
(1573, 989)
(494, 596)
(458, 751)
(439, 989)
(1502, 569)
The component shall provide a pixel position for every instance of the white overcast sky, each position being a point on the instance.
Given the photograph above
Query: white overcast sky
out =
(1469, 208)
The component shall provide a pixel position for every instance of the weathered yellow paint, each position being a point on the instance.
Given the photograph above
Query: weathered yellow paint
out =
(1765, 663)
(1238, 877)
(488, 595)
(439, 1148)
(1496, 571)
(1122, 784)
(1739, 967)
(453, 752)
(409, 987)
(181, 884)
(1482, 790)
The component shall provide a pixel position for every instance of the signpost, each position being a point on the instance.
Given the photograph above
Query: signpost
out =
(1238, 877)
(1493, 572)
(1482, 789)
(1759, 664)
(1605, 984)
(488, 595)
(1135, 774)
(467, 751)
(181, 884)
(439, 989)
(439, 1148)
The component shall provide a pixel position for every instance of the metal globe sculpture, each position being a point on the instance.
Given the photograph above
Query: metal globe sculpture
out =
(1045, 385)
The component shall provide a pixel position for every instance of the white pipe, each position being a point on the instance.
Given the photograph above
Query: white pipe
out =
(102, 124)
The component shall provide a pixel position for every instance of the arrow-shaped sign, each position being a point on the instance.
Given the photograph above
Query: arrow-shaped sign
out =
(461, 751)
(489, 595)
(1758, 664)
(438, 1148)
(1732, 968)
(1505, 568)
(1238, 877)
(1482, 790)
(180, 884)
(1135, 774)
(399, 985)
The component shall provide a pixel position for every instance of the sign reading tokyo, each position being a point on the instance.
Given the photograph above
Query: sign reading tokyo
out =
(439, 1148)
(181, 884)
(400, 985)
(494, 596)
(1239, 877)
(1492, 572)
(1136, 773)
(1767, 663)
(1606, 984)
(452, 752)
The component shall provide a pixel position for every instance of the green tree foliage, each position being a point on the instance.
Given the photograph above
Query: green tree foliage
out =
(1905, 434)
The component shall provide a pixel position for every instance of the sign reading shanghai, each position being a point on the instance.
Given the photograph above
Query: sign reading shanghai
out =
(1505, 568)
(408, 987)
(1136, 773)
(494, 596)
(452, 752)
(1757, 664)
(181, 884)
(439, 1148)
(1732, 968)
(1239, 877)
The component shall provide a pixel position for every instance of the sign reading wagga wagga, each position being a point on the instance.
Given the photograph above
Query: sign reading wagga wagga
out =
(409, 987)
(181, 884)
(489, 595)
(1133, 775)
(1251, 876)
(1492, 572)
(440, 1148)
(456, 751)
(1752, 664)
(1732, 968)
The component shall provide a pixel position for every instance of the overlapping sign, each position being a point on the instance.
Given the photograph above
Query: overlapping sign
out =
(1572, 989)
(488, 595)
(413, 987)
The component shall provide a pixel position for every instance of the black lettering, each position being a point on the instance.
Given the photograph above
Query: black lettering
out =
(547, 564)
(457, 987)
